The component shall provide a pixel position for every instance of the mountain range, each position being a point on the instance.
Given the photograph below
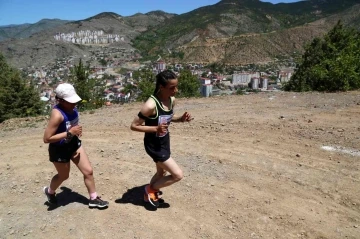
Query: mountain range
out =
(232, 32)
(26, 30)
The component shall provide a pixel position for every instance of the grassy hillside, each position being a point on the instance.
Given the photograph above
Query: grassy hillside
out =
(235, 17)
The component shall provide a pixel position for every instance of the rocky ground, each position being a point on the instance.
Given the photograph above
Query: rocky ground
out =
(269, 165)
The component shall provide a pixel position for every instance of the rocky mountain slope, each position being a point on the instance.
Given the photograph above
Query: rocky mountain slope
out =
(231, 31)
(263, 47)
(26, 30)
(41, 48)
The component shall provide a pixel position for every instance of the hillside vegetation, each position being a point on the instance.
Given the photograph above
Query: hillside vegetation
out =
(235, 18)
(331, 63)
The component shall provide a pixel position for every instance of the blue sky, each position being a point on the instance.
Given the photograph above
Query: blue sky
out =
(32, 11)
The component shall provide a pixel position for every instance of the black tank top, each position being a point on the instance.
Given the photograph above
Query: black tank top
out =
(161, 116)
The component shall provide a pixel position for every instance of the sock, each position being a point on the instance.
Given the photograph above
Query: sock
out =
(93, 195)
(50, 191)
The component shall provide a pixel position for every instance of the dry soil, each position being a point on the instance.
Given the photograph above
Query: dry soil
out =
(267, 165)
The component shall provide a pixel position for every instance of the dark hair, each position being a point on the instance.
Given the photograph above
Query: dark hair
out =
(162, 79)
(59, 99)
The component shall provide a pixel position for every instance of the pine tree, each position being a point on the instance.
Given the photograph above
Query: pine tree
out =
(17, 99)
(189, 85)
(146, 84)
(90, 90)
(331, 63)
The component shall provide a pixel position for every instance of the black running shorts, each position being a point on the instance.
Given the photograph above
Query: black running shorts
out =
(64, 152)
(158, 151)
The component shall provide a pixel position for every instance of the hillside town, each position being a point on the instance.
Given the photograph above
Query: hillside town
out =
(88, 37)
(115, 68)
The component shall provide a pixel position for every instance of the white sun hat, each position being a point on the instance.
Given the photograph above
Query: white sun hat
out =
(67, 92)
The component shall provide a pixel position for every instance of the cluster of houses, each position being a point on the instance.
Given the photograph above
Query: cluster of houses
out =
(88, 37)
(211, 83)
(216, 84)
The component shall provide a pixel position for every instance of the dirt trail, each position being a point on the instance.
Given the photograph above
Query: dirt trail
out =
(254, 168)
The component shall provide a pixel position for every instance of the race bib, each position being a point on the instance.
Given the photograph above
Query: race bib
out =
(164, 119)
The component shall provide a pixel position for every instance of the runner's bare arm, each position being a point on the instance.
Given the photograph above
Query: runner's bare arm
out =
(175, 118)
(147, 110)
(55, 120)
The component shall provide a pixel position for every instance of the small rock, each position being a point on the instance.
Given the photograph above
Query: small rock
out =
(298, 155)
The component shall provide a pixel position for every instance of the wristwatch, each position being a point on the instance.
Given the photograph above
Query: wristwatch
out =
(68, 135)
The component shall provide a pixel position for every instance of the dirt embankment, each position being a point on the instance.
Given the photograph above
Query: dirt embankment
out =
(272, 165)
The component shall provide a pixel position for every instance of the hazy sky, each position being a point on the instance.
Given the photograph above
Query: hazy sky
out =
(32, 11)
